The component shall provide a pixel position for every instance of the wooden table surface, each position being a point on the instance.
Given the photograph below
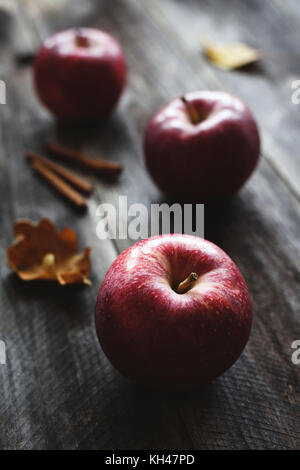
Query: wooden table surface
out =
(57, 390)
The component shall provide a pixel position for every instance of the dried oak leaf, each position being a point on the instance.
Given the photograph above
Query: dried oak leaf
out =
(42, 252)
(231, 56)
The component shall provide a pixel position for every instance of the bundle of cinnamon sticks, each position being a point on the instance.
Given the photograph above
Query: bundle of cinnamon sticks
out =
(66, 182)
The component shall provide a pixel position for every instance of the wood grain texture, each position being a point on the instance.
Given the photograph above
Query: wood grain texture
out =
(58, 389)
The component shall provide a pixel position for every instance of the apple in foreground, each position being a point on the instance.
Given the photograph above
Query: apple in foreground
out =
(173, 312)
(79, 74)
(202, 146)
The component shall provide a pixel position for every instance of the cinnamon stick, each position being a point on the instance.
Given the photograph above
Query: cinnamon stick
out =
(59, 184)
(99, 165)
(69, 176)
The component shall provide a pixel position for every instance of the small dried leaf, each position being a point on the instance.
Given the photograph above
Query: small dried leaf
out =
(232, 56)
(42, 252)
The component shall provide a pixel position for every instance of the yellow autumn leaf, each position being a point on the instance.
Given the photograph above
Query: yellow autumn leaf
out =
(42, 252)
(231, 56)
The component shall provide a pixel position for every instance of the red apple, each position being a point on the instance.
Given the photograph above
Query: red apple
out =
(173, 312)
(202, 147)
(79, 74)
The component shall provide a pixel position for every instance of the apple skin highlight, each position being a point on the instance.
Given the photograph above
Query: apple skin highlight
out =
(160, 338)
(202, 147)
(79, 74)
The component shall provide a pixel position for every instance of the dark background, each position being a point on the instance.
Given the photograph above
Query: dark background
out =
(58, 391)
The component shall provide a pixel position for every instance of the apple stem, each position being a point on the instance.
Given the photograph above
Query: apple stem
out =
(187, 284)
(81, 38)
(192, 112)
